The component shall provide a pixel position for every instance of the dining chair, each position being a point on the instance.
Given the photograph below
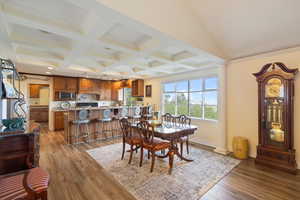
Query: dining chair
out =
(29, 185)
(129, 138)
(167, 117)
(183, 120)
(152, 144)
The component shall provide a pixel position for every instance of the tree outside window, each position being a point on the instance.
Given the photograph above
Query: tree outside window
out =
(196, 98)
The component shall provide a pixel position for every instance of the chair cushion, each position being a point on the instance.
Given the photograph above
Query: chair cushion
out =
(157, 144)
(12, 188)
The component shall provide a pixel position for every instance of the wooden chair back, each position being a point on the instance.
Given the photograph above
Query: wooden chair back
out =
(126, 128)
(146, 132)
(183, 120)
(168, 118)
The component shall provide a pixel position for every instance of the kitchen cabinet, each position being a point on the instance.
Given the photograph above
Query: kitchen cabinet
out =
(115, 86)
(65, 84)
(89, 85)
(72, 84)
(58, 121)
(39, 113)
(137, 88)
(34, 90)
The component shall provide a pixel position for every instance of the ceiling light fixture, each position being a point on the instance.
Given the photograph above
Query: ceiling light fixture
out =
(50, 68)
(48, 72)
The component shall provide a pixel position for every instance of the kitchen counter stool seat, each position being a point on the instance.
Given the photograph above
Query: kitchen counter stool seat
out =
(82, 126)
(104, 125)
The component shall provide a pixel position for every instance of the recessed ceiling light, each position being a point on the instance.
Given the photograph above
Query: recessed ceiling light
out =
(48, 72)
(50, 68)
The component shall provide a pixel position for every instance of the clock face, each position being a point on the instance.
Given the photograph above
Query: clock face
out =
(274, 88)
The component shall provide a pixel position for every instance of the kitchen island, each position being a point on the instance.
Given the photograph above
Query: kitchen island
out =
(95, 113)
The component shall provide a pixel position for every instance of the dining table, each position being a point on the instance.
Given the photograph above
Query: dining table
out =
(172, 132)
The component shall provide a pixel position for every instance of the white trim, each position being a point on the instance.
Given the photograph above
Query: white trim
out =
(264, 54)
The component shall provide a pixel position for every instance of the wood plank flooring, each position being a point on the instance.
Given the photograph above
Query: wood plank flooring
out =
(76, 176)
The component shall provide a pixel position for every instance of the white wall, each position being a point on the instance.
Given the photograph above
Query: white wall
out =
(242, 94)
(207, 130)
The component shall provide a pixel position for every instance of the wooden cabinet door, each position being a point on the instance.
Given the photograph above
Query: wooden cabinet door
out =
(115, 86)
(85, 84)
(59, 83)
(71, 84)
(58, 121)
(101, 88)
(107, 90)
(34, 91)
(137, 88)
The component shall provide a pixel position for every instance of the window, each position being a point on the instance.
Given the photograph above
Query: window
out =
(125, 96)
(196, 98)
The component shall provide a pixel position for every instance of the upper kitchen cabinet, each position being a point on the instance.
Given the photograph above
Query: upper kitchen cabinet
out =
(88, 86)
(115, 86)
(105, 90)
(34, 90)
(137, 88)
(65, 84)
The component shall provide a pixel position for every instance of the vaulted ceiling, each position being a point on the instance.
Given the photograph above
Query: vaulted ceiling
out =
(113, 39)
(243, 28)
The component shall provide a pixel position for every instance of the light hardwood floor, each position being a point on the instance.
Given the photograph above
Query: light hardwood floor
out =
(76, 176)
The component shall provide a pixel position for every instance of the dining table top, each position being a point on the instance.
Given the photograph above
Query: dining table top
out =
(168, 128)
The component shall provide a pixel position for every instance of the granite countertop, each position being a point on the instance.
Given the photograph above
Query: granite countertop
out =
(90, 108)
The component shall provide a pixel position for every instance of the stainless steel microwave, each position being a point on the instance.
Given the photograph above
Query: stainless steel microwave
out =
(66, 96)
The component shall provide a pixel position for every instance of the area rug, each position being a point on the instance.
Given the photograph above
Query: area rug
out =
(188, 181)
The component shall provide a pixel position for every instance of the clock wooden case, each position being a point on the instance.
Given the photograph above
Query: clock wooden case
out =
(276, 117)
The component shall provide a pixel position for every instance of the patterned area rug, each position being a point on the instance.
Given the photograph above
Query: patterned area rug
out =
(189, 180)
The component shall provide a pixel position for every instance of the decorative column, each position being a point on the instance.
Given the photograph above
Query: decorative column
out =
(221, 145)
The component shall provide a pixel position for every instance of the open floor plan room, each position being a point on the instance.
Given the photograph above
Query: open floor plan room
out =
(149, 100)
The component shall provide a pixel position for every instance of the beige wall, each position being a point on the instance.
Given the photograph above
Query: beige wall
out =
(207, 130)
(242, 106)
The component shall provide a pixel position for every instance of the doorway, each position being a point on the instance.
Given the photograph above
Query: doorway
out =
(39, 103)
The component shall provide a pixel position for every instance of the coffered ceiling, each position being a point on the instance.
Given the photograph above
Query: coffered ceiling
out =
(61, 37)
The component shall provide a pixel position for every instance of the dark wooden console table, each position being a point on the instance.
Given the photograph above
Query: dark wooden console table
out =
(19, 149)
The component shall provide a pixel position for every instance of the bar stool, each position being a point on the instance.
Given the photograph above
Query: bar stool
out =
(115, 122)
(105, 124)
(82, 126)
(136, 114)
(149, 114)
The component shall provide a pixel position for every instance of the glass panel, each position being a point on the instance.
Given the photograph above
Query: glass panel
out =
(210, 112)
(182, 86)
(169, 87)
(196, 104)
(210, 105)
(169, 103)
(196, 85)
(211, 83)
(182, 104)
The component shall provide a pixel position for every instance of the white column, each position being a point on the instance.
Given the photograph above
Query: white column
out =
(222, 136)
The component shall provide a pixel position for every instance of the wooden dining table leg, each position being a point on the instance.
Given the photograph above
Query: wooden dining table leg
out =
(142, 156)
(171, 159)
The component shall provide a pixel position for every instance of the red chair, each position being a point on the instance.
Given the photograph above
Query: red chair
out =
(29, 185)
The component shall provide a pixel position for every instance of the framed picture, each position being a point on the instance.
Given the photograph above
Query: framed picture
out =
(148, 90)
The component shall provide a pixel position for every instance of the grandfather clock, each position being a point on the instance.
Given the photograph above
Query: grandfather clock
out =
(276, 117)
